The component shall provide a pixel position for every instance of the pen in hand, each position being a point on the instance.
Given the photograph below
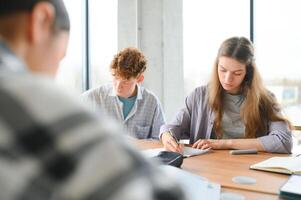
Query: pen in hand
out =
(178, 147)
(174, 137)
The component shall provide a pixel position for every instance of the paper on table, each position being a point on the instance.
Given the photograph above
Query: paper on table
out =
(195, 187)
(188, 151)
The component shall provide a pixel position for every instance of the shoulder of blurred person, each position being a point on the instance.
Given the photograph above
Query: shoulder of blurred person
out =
(50, 144)
(52, 147)
(95, 98)
(98, 92)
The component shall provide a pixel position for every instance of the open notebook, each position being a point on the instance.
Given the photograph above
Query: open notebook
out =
(285, 165)
(188, 151)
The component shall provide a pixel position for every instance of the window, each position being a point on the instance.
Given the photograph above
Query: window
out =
(70, 71)
(277, 43)
(206, 24)
(103, 39)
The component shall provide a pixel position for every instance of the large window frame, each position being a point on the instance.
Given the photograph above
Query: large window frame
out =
(86, 43)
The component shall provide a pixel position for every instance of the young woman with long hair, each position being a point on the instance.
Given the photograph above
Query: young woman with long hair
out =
(234, 110)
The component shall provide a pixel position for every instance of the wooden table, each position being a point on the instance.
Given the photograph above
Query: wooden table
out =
(220, 167)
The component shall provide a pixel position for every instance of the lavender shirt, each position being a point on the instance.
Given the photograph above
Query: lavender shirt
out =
(195, 121)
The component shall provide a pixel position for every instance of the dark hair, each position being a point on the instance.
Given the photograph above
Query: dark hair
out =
(128, 63)
(61, 21)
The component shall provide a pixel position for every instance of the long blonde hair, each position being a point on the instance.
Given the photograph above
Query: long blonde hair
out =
(259, 104)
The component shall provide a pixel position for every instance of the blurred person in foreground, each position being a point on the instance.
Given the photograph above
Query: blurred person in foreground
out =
(51, 146)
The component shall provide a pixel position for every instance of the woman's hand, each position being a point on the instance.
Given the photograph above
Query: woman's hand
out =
(208, 143)
(253, 143)
(170, 143)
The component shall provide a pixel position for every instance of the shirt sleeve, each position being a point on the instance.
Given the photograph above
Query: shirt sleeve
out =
(279, 138)
(158, 121)
(92, 100)
(180, 125)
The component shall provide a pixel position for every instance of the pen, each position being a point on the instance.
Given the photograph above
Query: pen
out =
(243, 151)
(174, 137)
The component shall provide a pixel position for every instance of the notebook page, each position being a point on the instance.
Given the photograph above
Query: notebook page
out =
(188, 151)
(291, 163)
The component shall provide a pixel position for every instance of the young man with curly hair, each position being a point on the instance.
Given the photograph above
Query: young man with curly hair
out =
(125, 100)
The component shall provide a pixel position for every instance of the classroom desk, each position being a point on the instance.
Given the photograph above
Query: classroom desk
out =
(220, 167)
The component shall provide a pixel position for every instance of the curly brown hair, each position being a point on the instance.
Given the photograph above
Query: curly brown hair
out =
(128, 63)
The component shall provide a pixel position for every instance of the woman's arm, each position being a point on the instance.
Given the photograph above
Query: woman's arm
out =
(230, 144)
(180, 126)
(279, 138)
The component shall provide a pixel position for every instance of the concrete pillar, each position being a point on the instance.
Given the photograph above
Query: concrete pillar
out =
(158, 33)
(127, 23)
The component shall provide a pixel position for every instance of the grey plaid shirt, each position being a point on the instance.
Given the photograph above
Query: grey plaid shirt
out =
(143, 121)
(51, 147)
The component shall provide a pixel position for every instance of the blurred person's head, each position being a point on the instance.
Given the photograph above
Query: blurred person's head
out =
(127, 70)
(37, 31)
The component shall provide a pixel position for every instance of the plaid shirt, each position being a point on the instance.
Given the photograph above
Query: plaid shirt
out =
(51, 147)
(143, 121)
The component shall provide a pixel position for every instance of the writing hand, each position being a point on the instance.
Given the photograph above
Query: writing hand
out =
(170, 143)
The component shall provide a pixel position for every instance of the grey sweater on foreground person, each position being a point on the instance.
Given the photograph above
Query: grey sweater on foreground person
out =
(195, 121)
(51, 147)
